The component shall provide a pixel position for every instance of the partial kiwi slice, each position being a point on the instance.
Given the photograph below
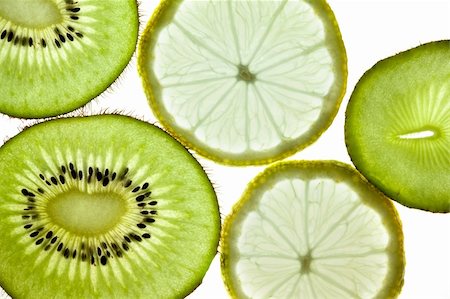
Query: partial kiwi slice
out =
(397, 127)
(103, 207)
(312, 229)
(57, 55)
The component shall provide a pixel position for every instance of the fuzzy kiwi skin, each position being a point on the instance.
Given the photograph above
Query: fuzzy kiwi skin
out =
(23, 270)
(52, 75)
(410, 87)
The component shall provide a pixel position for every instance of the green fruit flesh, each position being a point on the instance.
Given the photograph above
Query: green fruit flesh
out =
(106, 207)
(58, 55)
(397, 126)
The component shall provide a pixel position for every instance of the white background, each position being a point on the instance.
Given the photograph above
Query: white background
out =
(371, 30)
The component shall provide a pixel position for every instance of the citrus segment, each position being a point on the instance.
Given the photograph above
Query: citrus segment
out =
(312, 230)
(244, 82)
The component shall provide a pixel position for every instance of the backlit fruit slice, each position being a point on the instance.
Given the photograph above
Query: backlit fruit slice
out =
(312, 229)
(57, 55)
(397, 127)
(103, 207)
(244, 82)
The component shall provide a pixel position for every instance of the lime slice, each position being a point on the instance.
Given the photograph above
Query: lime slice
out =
(244, 82)
(397, 126)
(312, 230)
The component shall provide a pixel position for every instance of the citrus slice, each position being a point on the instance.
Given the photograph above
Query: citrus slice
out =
(244, 82)
(397, 126)
(310, 229)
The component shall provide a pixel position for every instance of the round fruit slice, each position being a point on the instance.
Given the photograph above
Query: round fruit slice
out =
(57, 55)
(310, 229)
(244, 82)
(103, 207)
(397, 127)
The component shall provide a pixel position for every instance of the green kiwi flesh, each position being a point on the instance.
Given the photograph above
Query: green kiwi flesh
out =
(103, 207)
(397, 127)
(57, 55)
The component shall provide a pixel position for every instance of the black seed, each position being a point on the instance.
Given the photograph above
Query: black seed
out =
(57, 43)
(127, 239)
(104, 245)
(127, 184)
(108, 253)
(16, 40)
(54, 181)
(124, 173)
(141, 225)
(136, 189)
(40, 190)
(153, 203)
(142, 204)
(34, 234)
(144, 212)
(99, 251)
(31, 199)
(25, 216)
(73, 173)
(99, 175)
(54, 240)
(48, 183)
(90, 170)
(38, 242)
(153, 212)
(62, 179)
(43, 43)
(125, 246)
(30, 42)
(149, 220)
(56, 30)
(61, 38)
(140, 198)
(24, 41)
(28, 226)
(69, 36)
(145, 186)
(41, 228)
(10, 36)
(31, 194)
(74, 17)
(105, 182)
(71, 166)
(34, 216)
(114, 246)
(70, 28)
(80, 174)
(136, 237)
(106, 172)
(74, 254)
(82, 245)
(63, 168)
(25, 192)
(76, 9)
(92, 260)
(3, 34)
(119, 254)
(146, 236)
(49, 235)
(66, 253)
(103, 260)
(83, 256)
(147, 194)
(42, 177)
(113, 176)
(60, 246)
(47, 247)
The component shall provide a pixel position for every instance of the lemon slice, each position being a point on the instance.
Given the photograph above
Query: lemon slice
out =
(312, 230)
(244, 82)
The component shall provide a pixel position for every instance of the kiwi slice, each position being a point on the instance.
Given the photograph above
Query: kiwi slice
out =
(57, 55)
(397, 127)
(103, 207)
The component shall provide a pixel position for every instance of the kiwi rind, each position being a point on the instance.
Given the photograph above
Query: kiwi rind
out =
(71, 62)
(338, 171)
(166, 274)
(408, 91)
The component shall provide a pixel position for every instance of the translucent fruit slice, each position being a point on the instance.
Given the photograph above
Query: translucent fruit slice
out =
(397, 127)
(244, 82)
(306, 229)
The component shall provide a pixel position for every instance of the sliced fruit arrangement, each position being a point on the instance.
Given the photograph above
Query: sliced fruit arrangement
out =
(397, 127)
(244, 82)
(310, 229)
(103, 207)
(57, 55)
